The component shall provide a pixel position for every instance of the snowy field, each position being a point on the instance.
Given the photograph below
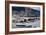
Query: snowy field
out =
(27, 24)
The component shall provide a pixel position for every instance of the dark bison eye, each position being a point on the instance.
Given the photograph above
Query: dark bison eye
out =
(29, 19)
(24, 20)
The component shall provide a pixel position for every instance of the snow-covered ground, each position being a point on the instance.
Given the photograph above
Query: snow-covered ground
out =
(31, 24)
(34, 24)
